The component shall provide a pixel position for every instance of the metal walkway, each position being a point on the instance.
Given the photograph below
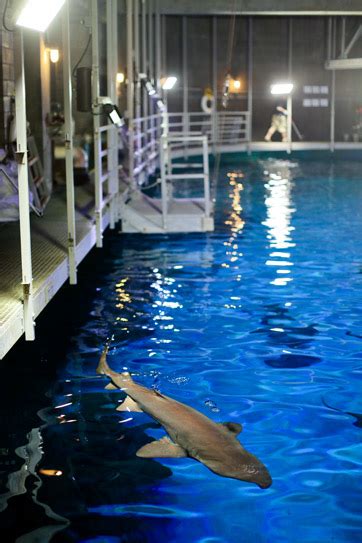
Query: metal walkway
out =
(50, 262)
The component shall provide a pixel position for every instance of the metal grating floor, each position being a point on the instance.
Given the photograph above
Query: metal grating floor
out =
(50, 260)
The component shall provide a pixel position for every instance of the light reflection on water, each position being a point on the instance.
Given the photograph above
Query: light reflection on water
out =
(248, 324)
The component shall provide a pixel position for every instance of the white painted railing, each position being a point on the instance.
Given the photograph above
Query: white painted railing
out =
(168, 177)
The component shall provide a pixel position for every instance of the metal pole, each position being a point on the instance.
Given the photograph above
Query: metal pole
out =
(250, 82)
(137, 58)
(333, 85)
(205, 148)
(130, 89)
(112, 93)
(68, 127)
(214, 83)
(163, 46)
(96, 126)
(23, 184)
(158, 47)
(185, 79)
(144, 57)
(343, 38)
(151, 72)
(290, 98)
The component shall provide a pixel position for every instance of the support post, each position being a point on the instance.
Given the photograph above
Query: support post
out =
(68, 127)
(158, 47)
(45, 104)
(185, 79)
(23, 185)
(130, 91)
(250, 83)
(205, 149)
(290, 73)
(151, 74)
(112, 66)
(332, 31)
(214, 84)
(96, 127)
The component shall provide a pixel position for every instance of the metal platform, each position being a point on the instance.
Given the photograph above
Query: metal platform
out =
(50, 261)
(144, 215)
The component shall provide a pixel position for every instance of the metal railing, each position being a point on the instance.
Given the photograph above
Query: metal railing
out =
(168, 177)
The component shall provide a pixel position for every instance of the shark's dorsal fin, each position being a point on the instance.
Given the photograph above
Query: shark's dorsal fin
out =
(129, 405)
(158, 393)
(233, 427)
(163, 448)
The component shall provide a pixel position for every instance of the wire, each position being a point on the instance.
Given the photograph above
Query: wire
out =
(82, 55)
(4, 17)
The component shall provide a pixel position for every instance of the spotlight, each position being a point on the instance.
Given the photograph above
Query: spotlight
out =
(281, 88)
(169, 82)
(120, 77)
(38, 14)
(111, 110)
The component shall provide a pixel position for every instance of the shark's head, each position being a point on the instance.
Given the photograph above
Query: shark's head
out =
(244, 467)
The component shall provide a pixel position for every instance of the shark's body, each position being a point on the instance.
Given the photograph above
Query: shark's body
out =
(191, 433)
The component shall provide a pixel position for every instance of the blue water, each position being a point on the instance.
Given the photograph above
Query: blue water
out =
(259, 323)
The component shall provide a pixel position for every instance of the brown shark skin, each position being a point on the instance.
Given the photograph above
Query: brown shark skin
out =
(202, 439)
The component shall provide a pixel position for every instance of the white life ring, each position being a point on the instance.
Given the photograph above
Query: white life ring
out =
(207, 103)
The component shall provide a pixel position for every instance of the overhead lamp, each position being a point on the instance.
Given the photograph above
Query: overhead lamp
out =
(281, 88)
(120, 77)
(54, 55)
(168, 83)
(38, 14)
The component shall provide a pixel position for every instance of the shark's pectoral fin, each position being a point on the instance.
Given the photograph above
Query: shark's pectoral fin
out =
(233, 427)
(129, 405)
(163, 448)
(110, 386)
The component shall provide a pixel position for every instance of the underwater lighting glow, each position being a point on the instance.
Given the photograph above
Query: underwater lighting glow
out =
(281, 88)
(168, 83)
(38, 14)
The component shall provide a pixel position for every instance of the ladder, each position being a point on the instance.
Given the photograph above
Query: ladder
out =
(37, 184)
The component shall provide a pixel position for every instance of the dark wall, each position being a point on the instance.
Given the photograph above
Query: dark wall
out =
(270, 63)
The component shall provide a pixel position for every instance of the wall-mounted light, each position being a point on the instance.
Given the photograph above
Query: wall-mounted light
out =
(281, 88)
(37, 14)
(111, 110)
(168, 83)
(120, 77)
(54, 55)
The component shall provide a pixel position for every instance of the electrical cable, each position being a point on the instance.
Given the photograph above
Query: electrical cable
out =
(4, 17)
(225, 99)
(82, 55)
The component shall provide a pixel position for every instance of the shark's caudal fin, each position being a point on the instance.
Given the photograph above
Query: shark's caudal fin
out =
(129, 405)
(163, 448)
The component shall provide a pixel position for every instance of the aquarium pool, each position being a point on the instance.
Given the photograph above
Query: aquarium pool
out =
(259, 323)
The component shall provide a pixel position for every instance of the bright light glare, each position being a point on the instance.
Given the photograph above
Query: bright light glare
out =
(169, 83)
(54, 55)
(120, 77)
(237, 84)
(281, 88)
(38, 14)
(115, 118)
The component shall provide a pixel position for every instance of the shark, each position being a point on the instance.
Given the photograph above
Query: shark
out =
(189, 433)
